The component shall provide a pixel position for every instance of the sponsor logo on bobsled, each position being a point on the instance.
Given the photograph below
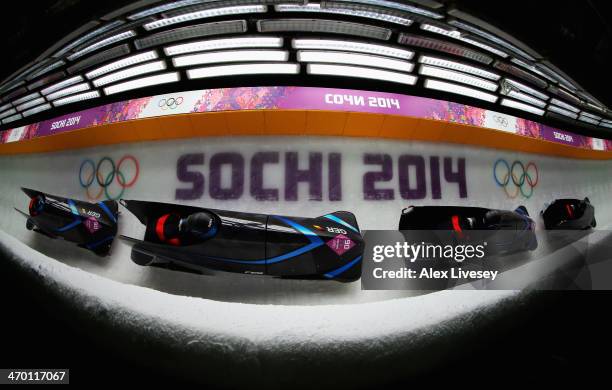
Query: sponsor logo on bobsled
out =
(340, 244)
(92, 225)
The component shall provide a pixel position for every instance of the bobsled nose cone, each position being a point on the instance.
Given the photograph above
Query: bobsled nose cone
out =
(130, 205)
(29, 192)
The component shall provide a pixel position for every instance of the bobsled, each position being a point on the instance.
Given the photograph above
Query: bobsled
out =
(90, 225)
(195, 239)
(504, 231)
(573, 214)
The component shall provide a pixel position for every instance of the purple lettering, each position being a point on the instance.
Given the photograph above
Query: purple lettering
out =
(370, 192)
(456, 177)
(186, 176)
(312, 175)
(335, 177)
(404, 164)
(236, 161)
(434, 168)
(257, 176)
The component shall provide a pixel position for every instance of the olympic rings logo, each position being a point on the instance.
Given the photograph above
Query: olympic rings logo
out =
(104, 173)
(522, 177)
(501, 120)
(170, 103)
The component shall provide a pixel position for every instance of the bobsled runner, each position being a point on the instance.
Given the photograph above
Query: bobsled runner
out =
(569, 214)
(198, 239)
(504, 231)
(90, 225)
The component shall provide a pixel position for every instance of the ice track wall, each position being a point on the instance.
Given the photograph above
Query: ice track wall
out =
(309, 176)
(234, 329)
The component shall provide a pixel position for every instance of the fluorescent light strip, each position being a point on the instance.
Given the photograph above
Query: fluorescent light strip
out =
(68, 91)
(7, 113)
(21, 72)
(137, 70)
(62, 84)
(441, 73)
(459, 90)
(25, 98)
(88, 36)
(397, 6)
(491, 37)
(164, 7)
(562, 80)
(207, 13)
(569, 95)
(361, 72)
(590, 99)
(587, 119)
(105, 42)
(596, 107)
(6, 106)
(192, 32)
(591, 115)
(242, 69)
(231, 56)
(457, 35)
(15, 93)
(163, 78)
(562, 111)
(129, 61)
(36, 110)
(226, 43)
(564, 105)
(440, 30)
(526, 98)
(483, 46)
(46, 69)
(521, 106)
(359, 47)
(9, 86)
(76, 98)
(11, 119)
(313, 7)
(532, 69)
(31, 103)
(443, 46)
(606, 124)
(518, 72)
(354, 59)
(100, 57)
(48, 79)
(448, 64)
(324, 26)
(523, 88)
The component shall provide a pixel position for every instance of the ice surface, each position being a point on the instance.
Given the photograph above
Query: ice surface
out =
(237, 329)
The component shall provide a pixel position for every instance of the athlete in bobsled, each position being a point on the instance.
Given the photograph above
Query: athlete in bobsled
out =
(91, 225)
(504, 231)
(195, 239)
(573, 214)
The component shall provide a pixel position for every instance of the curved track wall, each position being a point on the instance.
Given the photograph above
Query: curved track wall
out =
(289, 176)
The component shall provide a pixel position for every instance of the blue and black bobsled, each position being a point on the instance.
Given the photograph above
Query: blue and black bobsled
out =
(91, 225)
(196, 239)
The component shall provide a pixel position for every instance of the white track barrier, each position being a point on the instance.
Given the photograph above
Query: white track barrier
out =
(233, 329)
